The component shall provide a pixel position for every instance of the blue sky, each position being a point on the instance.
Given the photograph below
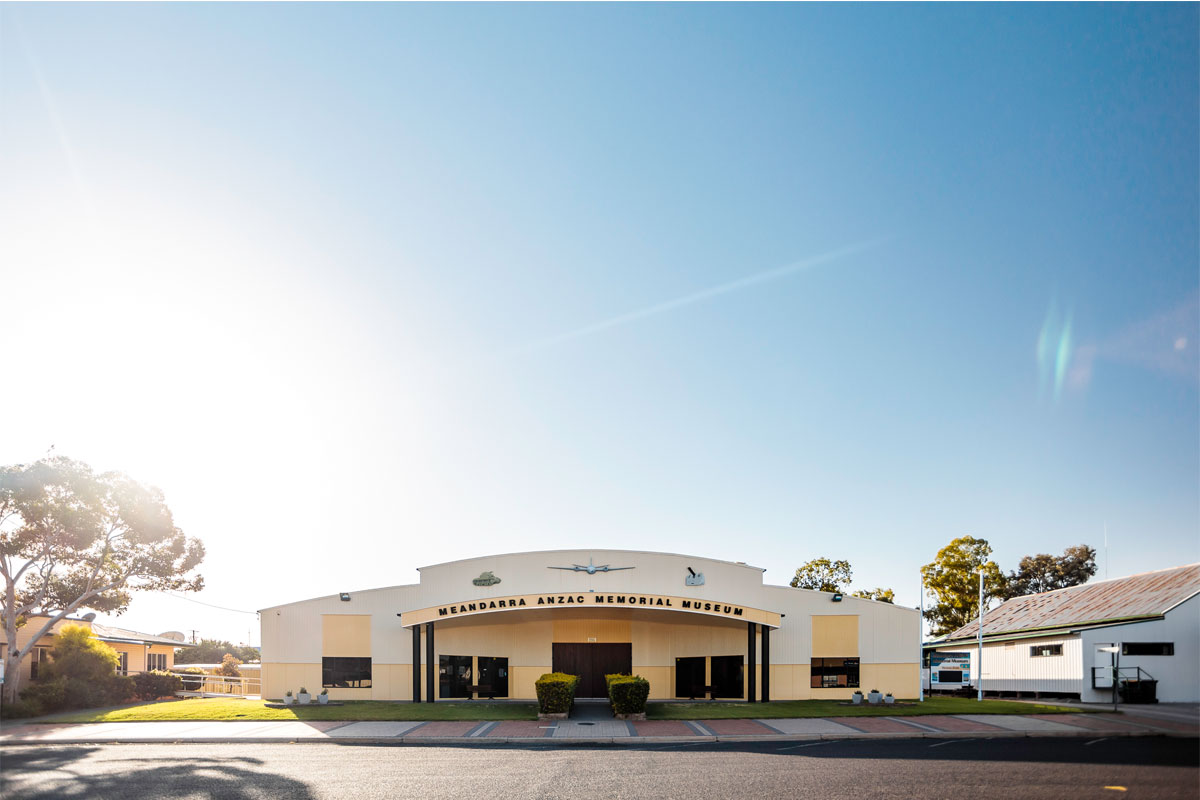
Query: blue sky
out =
(367, 287)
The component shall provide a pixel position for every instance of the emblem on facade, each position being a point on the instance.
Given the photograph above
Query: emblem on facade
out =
(693, 578)
(485, 579)
(590, 568)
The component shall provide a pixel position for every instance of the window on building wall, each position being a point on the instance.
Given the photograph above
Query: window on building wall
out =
(1045, 650)
(454, 676)
(156, 661)
(123, 663)
(493, 676)
(834, 673)
(1147, 648)
(345, 673)
(39, 656)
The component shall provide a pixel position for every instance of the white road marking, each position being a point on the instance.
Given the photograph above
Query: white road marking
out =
(1093, 741)
(952, 741)
(794, 746)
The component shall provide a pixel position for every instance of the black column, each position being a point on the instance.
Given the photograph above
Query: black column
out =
(766, 664)
(416, 631)
(751, 682)
(430, 676)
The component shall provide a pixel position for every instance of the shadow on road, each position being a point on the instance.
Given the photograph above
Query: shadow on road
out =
(232, 778)
(1153, 750)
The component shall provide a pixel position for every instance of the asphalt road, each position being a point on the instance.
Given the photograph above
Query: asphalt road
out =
(954, 769)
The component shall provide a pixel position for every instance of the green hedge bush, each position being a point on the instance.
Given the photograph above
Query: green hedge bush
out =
(556, 692)
(156, 684)
(628, 693)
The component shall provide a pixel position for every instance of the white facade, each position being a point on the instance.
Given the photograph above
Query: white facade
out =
(1010, 666)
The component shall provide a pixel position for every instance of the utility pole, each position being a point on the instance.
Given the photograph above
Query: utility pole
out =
(979, 677)
(921, 645)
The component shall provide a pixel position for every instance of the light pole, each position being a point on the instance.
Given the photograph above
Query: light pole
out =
(979, 677)
(921, 645)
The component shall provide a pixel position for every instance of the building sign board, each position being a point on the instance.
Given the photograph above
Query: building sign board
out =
(958, 664)
(591, 600)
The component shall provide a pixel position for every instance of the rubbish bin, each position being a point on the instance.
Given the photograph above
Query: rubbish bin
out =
(1139, 691)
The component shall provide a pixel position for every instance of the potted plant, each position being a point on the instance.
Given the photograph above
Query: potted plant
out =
(873, 698)
(857, 697)
(288, 699)
(304, 697)
(888, 699)
(323, 697)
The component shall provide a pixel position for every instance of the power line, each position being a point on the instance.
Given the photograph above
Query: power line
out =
(210, 605)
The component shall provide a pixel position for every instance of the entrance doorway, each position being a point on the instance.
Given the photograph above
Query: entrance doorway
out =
(591, 662)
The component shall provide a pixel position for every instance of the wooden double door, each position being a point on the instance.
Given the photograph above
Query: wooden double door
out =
(591, 662)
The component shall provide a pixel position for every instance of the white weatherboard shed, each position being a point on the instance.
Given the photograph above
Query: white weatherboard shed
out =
(1069, 641)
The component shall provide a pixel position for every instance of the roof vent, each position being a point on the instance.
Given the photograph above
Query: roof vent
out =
(89, 617)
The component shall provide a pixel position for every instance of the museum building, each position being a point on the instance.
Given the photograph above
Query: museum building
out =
(489, 627)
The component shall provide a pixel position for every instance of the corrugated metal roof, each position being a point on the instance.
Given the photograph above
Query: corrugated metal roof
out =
(1149, 594)
(103, 632)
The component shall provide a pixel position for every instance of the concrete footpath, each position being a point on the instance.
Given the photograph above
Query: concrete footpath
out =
(1153, 721)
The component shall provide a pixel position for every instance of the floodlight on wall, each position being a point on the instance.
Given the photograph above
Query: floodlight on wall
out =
(345, 597)
(837, 597)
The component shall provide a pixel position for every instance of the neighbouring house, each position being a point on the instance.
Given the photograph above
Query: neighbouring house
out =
(138, 652)
(1141, 632)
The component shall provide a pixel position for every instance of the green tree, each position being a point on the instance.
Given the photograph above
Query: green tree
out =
(1044, 572)
(212, 651)
(71, 538)
(882, 595)
(81, 673)
(823, 575)
(229, 666)
(953, 577)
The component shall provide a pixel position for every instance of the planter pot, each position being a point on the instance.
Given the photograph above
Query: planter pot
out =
(874, 698)
(287, 701)
(322, 699)
(856, 698)
(888, 700)
(304, 699)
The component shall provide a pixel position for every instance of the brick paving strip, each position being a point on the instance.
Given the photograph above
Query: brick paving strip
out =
(738, 727)
(875, 725)
(958, 724)
(606, 731)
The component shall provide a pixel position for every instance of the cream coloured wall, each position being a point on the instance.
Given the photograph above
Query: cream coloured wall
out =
(880, 633)
(835, 636)
(346, 635)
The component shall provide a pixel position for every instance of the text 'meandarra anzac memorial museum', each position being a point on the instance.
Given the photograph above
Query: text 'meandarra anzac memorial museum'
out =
(694, 627)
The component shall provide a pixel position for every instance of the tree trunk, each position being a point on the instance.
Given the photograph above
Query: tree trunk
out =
(12, 675)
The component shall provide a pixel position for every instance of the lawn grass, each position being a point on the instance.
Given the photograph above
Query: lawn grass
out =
(239, 709)
(782, 709)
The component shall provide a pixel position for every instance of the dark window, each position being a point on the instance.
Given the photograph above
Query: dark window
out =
(156, 661)
(689, 677)
(1147, 648)
(834, 673)
(454, 676)
(493, 676)
(123, 663)
(345, 673)
(727, 675)
(40, 655)
(1045, 650)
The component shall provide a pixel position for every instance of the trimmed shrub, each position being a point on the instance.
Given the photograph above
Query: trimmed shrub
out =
(47, 696)
(628, 694)
(609, 677)
(153, 685)
(556, 692)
